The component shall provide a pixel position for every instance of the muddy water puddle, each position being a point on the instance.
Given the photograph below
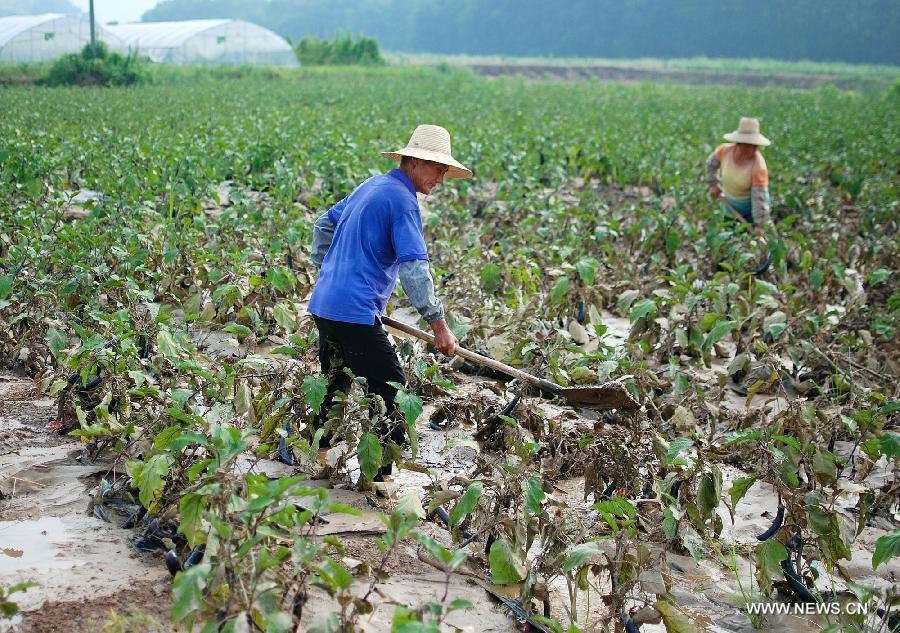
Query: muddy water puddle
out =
(29, 544)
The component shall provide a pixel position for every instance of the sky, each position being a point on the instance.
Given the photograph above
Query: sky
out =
(117, 10)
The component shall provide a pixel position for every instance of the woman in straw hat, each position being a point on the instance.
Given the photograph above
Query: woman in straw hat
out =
(362, 245)
(744, 176)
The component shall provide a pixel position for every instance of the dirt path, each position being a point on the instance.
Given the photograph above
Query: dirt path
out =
(88, 574)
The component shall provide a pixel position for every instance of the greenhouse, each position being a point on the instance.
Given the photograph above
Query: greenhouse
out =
(206, 42)
(38, 38)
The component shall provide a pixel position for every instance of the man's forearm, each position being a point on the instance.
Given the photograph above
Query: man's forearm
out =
(415, 277)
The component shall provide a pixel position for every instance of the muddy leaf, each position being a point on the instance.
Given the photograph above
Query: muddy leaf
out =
(369, 454)
(625, 301)
(674, 620)
(167, 346)
(684, 420)
(411, 505)
(691, 540)
(824, 467)
(886, 548)
(506, 564)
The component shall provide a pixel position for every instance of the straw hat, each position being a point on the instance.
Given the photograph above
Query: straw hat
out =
(748, 132)
(431, 142)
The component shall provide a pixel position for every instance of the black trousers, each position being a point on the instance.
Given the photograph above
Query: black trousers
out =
(366, 350)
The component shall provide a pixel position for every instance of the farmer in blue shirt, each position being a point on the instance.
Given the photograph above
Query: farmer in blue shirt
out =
(362, 245)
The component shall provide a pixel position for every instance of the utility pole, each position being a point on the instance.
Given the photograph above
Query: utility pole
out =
(93, 31)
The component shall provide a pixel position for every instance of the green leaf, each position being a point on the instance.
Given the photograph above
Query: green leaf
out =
(187, 592)
(678, 446)
(409, 404)
(587, 270)
(242, 331)
(6, 284)
(284, 317)
(625, 300)
(534, 495)
(739, 488)
(580, 554)
(167, 345)
(190, 509)
(56, 342)
(560, 288)
(641, 309)
(148, 477)
(721, 329)
(506, 564)
(890, 444)
(886, 548)
(337, 576)
(490, 278)
(466, 504)
(710, 492)
(769, 555)
(280, 278)
(315, 388)
(369, 454)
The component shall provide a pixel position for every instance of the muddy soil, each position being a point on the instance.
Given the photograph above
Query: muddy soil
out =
(91, 580)
(89, 576)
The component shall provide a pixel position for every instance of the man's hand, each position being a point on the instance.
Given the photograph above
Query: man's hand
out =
(444, 339)
(715, 191)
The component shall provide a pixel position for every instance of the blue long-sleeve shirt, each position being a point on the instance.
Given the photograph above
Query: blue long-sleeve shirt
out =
(363, 244)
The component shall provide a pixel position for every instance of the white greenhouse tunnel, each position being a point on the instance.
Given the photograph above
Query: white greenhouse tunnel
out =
(40, 38)
(206, 42)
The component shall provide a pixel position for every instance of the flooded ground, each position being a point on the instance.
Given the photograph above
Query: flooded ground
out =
(90, 576)
(84, 565)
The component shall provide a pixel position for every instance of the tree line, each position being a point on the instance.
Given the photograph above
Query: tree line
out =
(860, 31)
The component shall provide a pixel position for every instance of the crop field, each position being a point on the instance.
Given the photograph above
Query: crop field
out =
(154, 273)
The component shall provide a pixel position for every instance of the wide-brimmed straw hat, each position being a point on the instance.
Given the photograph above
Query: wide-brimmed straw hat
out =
(431, 142)
(748, 132)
